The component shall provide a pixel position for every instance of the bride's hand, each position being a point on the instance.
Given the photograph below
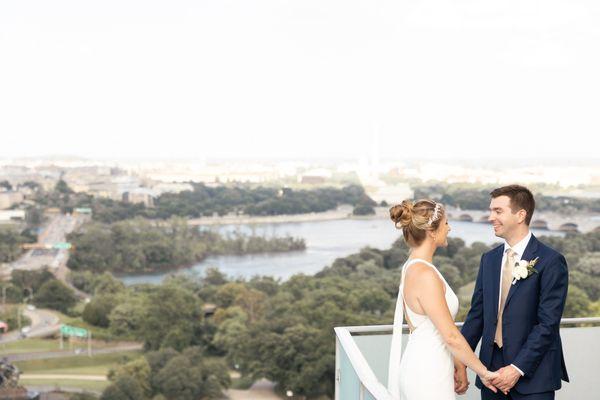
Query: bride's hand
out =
(486, 379)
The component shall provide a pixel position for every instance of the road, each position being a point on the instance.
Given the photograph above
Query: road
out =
(53, 232)
(100, 378)
(43, 323)
(260, 390)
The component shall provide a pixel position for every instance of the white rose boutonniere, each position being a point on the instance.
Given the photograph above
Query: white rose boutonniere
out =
(524, 269)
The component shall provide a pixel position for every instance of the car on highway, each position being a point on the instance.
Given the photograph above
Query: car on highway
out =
(24, 331)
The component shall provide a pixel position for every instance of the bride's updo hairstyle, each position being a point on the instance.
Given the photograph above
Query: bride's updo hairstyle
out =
(415, 219)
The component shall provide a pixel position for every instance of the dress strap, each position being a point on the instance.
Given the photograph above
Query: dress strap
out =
(396, 346)
(414, 260)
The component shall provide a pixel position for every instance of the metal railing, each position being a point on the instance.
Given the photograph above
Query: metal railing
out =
(362, 355)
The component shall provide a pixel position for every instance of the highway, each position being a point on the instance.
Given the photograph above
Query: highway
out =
(53, 232)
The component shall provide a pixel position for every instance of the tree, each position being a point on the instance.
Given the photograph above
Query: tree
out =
(363, 209)
(97, 311)
(188, 376)
(62, 187)
(374, 300)
(34, 216)
(578, 304)
(10, 243)
(6, 185)
(300, 359)
(54, 294)
(589, 284)
(252, 302)
(212, 276)
(30, 281)
(125, 388)
(231, 332)
(179, 379)
(226, 294)
(170, 309)
(139, 370)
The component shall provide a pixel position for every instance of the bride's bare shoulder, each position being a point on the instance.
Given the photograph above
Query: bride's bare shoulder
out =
(421, 273)
(418, 268)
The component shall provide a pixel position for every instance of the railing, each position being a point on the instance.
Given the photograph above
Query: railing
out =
(362, 356)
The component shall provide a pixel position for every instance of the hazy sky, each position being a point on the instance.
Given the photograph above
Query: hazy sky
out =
(300, 78)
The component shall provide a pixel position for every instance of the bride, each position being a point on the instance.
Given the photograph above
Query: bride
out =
(435, 345)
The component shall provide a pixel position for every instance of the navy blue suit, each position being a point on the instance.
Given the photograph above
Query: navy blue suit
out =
(530, 323)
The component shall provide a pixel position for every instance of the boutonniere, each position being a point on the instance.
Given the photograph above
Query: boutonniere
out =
(523, 269)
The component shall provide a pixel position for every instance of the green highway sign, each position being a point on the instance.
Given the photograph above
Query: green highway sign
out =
(62, 245)
(73, 331)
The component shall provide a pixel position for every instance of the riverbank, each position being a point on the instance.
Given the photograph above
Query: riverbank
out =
(585, 222)
(342, 212)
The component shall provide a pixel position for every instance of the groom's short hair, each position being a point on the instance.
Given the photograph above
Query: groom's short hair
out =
(520, 198)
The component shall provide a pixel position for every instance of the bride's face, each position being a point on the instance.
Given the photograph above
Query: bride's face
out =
(441, 234)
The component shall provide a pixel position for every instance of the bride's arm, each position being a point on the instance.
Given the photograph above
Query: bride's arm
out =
(433, 301)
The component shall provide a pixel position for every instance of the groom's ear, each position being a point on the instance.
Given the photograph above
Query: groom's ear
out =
(521, 215)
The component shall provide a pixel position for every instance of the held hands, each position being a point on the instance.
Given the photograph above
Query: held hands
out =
(487, 378)
(506, 378)
(461, 382)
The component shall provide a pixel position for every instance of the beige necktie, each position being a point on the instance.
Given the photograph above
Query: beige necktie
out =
(507, 277)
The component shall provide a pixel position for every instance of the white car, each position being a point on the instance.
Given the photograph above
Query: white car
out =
(24, 331)
(30, 307)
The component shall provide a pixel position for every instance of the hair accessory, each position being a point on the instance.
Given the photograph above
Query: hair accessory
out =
(435, 215)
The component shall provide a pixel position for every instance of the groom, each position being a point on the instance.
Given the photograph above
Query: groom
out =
(517, 318)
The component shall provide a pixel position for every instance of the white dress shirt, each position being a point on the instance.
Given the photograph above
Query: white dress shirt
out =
(519, 249)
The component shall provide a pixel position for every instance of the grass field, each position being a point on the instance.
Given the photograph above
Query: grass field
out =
(96, 365)
(80, 365)
(29, 346)
(66, 383)
(43, 345)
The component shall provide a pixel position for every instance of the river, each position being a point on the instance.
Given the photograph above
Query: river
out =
(325, 241)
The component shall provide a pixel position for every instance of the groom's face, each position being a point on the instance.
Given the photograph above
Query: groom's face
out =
(501, 216)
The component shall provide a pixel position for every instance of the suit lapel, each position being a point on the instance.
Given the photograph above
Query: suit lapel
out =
(496, 266)
(529, 254)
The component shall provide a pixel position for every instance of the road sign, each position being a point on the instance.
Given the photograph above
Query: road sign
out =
(73, 331)
(62, 245)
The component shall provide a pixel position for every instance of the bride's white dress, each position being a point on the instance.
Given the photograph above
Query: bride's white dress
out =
(425, 370)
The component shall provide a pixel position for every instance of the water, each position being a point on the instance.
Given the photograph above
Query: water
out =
(325, 241)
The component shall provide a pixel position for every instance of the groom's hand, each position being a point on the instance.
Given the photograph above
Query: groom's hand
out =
(461, 382)
(507, 378)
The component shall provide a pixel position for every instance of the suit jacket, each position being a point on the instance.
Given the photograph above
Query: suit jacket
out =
(531, 319)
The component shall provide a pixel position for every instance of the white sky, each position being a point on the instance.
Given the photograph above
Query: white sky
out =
(308, 78)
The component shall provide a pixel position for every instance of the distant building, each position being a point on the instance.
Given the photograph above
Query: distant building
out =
(539, 224)
(140, 195)
(82, 210)
(209, 309)
(312, 180)
(171, 187)
(315, 176)
(12, 215)
(10, 198)
(569, 227)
